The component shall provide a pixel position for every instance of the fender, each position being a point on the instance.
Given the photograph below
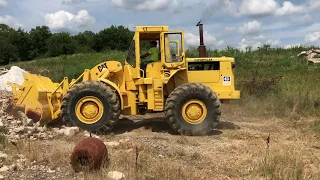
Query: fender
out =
(100, 69)
(115, 87)
(167, 79)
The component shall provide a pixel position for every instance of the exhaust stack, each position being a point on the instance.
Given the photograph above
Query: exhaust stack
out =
(202, 47)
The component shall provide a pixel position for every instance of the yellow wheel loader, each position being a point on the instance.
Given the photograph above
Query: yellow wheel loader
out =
(188, 90)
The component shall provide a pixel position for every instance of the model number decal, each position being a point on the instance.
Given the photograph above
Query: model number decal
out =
(102, 67)
(201, 60)
(226, 80)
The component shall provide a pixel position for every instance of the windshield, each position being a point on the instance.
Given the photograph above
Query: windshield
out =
(131, 58)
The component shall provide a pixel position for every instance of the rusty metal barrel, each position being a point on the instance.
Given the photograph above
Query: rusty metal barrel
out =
(89, 154)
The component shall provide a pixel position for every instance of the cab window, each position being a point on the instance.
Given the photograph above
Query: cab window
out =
(173, 48)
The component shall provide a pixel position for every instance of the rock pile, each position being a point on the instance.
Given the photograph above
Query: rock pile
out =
(18, 162)
(13, 75)
(3, 71)
(21, 127)
(13, 163)
(312, 55)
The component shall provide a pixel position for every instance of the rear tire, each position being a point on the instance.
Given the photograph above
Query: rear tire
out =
(193, 109)
(92, 106)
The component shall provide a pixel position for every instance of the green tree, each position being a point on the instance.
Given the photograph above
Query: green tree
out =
(114, 38)
(22, 41)
(5, 29)
(39, 37)
(61, 44)
(85, 41)
(8, 52)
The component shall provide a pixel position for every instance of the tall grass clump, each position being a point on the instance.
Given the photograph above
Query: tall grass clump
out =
(273, 81)
(288, 163)
(276, 82)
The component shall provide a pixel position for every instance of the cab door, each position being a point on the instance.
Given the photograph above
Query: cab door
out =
(172, 54)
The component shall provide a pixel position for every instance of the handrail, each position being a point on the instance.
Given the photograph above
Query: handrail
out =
(62, 82)
(74, 82)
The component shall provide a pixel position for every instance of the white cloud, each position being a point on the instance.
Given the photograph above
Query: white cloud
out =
(3, 3)
(258, 41)
(63, 20)
(10, 21)
(260, 37)
(301, 19)
(209, 40)
(235, 8)
(224, 18)
(273, 42)
(131, 27)
(244, 44)
(141, 5)
(256, 8)
(292, 46)
(176, 6)
(313, 27)
(289, 8)
(312, 37)
(314, 5)
(230, 29)
(230, 7)
(209, 8)
(261, 8)
(73, 2)
(251, 28)
(175, 3)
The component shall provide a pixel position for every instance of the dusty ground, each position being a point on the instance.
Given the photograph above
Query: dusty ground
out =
(238, 149)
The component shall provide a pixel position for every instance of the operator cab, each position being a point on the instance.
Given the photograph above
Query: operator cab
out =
(172, 53)
(170, 47)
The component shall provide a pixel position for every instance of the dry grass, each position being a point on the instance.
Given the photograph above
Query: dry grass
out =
(289, 162)
(235, 153)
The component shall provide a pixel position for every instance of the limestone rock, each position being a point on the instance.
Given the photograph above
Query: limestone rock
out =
(112, 143)
(4, 169)
(115, 175)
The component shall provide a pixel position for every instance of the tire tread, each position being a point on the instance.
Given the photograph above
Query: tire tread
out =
(185, 90)
(102, 89)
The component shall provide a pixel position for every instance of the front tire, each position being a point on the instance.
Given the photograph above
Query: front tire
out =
(92, 106)
(193, 109)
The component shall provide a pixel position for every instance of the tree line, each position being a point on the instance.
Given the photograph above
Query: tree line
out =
(40, 42)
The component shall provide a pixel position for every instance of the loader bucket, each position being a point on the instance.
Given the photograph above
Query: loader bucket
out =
(38, 96)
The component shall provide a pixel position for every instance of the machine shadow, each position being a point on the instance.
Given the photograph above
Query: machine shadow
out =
(153, 124)
(159, 125)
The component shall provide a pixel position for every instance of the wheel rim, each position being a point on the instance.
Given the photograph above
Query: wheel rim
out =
(194, 111)
(89, 110)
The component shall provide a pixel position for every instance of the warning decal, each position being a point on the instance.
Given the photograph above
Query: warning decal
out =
(226, 80)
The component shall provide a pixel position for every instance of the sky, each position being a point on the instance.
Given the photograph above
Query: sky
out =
(236, 23)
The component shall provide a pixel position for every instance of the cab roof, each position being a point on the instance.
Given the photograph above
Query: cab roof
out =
(156, 29)
(151, 32)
